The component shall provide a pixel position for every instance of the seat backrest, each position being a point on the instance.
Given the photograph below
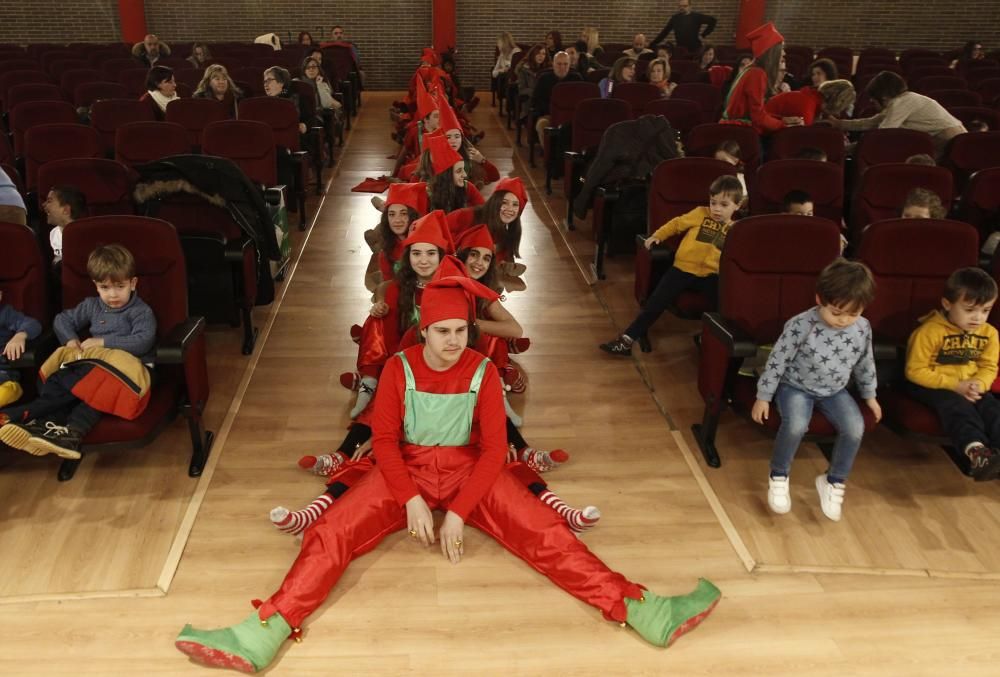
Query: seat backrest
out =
(823, 181)
(134, 80)
(10, 65)
(158, 256)
(9, 78)
(976, 77)
(637, 94)
(308, 97)
(950, 98)
(45, 143)
(279, 114)
(708, 97)
(33, 91)
(980, 203)
(930, 83)
(86, 93)
(768, 270)
(69, 80)
(705, 138)
(684, 70)
(592, 117)
(883, 189)
(248, 143)
(32, 113)
(802, 51)
(880, 146)
(194, 114)
(909, 56)
(683, 114)
(910, 260)
(106, 184)
(566, 96)
(107, 115)
(681, 184)
(23, 273)
(967, 153)
(137, 143)
(843, 57)
(338, 61)
(786, 143)
(113, 67)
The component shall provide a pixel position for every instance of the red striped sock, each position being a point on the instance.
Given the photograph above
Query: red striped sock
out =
(578, 520)
(543, 461)
(323, 465)
(296, 521)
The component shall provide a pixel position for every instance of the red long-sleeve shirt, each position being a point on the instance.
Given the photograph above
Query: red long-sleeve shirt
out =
(488, 424)
(746, 102)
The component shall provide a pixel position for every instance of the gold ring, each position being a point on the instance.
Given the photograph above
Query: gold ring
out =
(458, 543)
(413, 533)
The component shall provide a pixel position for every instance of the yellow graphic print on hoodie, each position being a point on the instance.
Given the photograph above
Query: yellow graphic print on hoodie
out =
(939, 355)
(701, 247)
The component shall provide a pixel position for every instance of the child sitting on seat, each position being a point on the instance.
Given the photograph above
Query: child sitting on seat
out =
(921, 203)
(122, 332)
(696, 263)
(816, 355)
(15, 330)
(797, 202)
(951, 363)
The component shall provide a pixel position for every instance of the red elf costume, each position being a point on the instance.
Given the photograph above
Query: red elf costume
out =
(462, 220)
(443, 160)
(439, 444)
(805, 103)
(414, 196)
(745, 101)
(413, 140)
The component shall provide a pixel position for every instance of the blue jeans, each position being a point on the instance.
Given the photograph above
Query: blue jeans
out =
(796, 408)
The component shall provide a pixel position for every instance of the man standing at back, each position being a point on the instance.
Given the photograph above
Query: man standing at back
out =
(686, 25)
(543, 90)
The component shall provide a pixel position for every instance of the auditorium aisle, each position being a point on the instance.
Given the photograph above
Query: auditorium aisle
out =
(403, 610)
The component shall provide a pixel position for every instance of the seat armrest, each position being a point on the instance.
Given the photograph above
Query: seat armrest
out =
(886, 351)
(738, 344)
(173, 347)
(658, 252)
(36, 351)
(575, 157)
(272, 194)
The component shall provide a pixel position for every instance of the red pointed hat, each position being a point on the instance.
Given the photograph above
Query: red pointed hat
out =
(513, 184)
(448, 118)
(451, 266)
(429, 55)
(413, 195)
(432, 229)
(443, 157)
(764, 38)
(425, 102)
(477, 236)
(452, 298)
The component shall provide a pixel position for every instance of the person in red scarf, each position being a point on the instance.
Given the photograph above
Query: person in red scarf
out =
(745, 102)
(439, 444)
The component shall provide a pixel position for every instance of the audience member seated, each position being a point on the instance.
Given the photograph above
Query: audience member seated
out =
(218, 86)
(506, 49)
(560, 72)
(706, 58)
(16, 329)
(528, 72)
(277, 81)
(312, 73)
(900, 107)
(729, 151)
(972, 51)
(150, 50)
(593, 47)
(12, 208)
(200, 57)
(797, 202)
(161, 89)
(921, 159)
(921, 203)
(811, 153)
(638, 47)
(305, 39)
(659, 75)
(62, 205)
(977, 125)
(622, 71)
(577, 59)
(553, 43)
(822, 70)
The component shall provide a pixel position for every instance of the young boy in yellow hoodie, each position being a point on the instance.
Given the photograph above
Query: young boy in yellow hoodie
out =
(696, 263)
(951, 363)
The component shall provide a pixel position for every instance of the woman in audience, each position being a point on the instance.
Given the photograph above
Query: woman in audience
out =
(200, 55)
(745, 104)
(218, 86)
(161, 89)
(822, 70)
(278, 82)
(622, 71)
(972, 51)
(506, 49)
(659, 75)
(594, 50)
(706, 57)
(528, 71)
(312, 72)
(899, 107)
(305, 39)
(553, 43)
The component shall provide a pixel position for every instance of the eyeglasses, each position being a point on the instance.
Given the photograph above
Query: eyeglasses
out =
(313, 67)
(267, 80)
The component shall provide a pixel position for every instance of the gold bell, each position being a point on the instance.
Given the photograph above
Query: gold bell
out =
(623, 624)
(263, 622)
(298, 635)
(642, 599)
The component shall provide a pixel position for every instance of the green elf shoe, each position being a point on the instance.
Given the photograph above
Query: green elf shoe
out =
(247, 647)
(661, 620)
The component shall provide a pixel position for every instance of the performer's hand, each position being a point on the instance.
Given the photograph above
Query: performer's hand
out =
(363, 450)
(15, 346)
(419, 520)
(452, 545)
(92, 343)
(379, 309)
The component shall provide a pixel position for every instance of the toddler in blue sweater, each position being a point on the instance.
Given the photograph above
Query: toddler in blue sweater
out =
(817, 354)
(16, 329)
(57, 421)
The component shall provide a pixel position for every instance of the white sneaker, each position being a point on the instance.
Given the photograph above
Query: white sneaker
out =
(778, 498)
(831, 497)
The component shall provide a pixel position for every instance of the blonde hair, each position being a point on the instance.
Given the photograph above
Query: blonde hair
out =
(838, 95)
(590, 35)
(659, 62)
(506, 43)
(211, 72)
(111, 262)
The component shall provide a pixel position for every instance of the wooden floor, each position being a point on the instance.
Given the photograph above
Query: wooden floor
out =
(399, 610)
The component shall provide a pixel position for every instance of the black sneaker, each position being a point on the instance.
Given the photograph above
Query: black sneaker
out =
(617, 347)
(984, 463)
(52, 438)
(18, 435)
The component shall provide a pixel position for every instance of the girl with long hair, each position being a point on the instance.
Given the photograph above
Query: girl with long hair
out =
(745, 102)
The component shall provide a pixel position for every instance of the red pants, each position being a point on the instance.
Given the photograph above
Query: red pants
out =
(362, 517)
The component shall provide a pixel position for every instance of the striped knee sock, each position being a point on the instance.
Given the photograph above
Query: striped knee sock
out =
(323, 465)
(296, 521)
(543, 461)
(578, 520)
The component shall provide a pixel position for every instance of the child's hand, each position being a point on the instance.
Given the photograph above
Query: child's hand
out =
(15, 346)
(379, 309)
(969, 389)
(92, 343)
(73, 344)
(760, 411)
(876, 408)
(650, 241)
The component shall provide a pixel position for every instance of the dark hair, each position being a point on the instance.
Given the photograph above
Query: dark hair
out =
(406, 278)
(704, 50)
(556, 38)
(621, 64)
(969, 47)
(529, 60)
(885, 86)
(280, 74)
(795, 197)
(811, 153)
(921, 197)
(731, 146)
(846, 284)
(472, 333)
(72, 197)
(727, 185)
(305, 62)
(443, 192)
(303, 35)
(581, 46)
(156, 75)
(921, 159)
(506, 236)
(384, 233)
(974, 285)
(489, 279)
(828, 67)
(977, 125)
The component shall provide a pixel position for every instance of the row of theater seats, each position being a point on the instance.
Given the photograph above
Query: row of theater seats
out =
(181, 385)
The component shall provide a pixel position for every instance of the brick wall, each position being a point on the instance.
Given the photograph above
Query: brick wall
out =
(390, 33)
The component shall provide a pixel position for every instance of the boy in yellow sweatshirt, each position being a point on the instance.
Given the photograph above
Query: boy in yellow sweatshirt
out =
(951, 363)
(696, 263)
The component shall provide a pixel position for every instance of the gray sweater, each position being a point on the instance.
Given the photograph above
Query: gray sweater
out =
(131, 328)
(818, 359)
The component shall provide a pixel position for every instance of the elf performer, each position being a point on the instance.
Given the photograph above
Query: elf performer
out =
(440, 445)
(745, 101)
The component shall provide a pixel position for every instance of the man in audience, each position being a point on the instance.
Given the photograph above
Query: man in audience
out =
(638, 47)
(543, 89)
(686, 25)
(150, 50)
(337, 38)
